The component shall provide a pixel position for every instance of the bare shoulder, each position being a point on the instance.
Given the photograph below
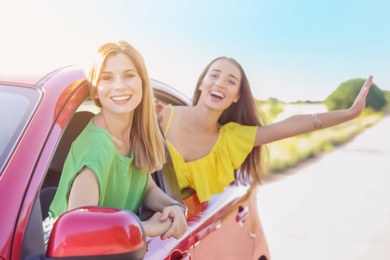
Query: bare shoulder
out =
(181, 109)
(165, 113)
(182, 112)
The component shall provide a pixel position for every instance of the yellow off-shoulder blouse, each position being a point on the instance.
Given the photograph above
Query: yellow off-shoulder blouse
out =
(210, 174)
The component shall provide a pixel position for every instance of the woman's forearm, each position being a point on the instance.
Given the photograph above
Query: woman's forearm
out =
(156, 200)
(332, 118)
(300, 124)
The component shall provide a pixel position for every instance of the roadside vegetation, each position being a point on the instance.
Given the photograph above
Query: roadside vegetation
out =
(280, 155)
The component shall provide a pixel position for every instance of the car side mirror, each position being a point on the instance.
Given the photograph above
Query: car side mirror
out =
(99, 232)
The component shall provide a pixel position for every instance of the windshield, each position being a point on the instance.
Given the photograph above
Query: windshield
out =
(17, 104)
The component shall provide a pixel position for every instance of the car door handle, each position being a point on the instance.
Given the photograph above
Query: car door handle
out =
(240, 217)
(177, 255)
(186, 256)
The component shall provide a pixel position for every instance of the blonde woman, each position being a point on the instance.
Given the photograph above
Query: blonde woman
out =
(110, 162)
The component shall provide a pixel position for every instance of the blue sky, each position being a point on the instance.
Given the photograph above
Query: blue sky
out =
(291, 50)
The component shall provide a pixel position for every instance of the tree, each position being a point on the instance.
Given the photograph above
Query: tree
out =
(345, 94)
(270, 109)
(387, 97)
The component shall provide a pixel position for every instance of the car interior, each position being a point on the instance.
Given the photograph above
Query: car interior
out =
(50, 184)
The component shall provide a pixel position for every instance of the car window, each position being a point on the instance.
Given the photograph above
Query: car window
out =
(168, 95)
(88, 105)
(17, 105)
(75, 126)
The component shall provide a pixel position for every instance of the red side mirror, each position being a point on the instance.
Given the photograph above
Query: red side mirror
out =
(97, 231)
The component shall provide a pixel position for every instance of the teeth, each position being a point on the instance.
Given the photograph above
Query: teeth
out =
(120, 98)
(218, 94)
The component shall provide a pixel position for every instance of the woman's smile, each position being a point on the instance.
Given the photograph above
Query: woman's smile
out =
(121, 98)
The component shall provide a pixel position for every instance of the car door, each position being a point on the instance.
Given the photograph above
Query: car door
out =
(229, 227)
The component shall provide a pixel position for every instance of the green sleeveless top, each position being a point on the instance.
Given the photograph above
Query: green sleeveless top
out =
(121, 184)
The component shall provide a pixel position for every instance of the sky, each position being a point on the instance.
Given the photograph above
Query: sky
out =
(290, 49)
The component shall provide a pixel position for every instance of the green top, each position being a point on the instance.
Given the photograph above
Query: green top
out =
(121, 184)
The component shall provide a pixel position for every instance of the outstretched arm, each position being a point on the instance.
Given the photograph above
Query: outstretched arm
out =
(300, 124)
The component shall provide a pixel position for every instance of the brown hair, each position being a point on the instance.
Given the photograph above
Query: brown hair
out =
(244, 112)
(148, 142)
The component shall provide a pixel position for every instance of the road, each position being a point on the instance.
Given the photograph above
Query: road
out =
(334, 207)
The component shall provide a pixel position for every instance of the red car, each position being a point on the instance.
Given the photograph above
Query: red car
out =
(40, 116)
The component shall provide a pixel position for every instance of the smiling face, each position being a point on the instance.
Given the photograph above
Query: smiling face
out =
(221, 84)
(120, 86)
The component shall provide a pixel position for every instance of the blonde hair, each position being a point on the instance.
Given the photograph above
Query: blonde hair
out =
(148, 143)
(244, 112)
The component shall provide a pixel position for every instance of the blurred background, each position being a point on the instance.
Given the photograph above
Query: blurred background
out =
(291, 49)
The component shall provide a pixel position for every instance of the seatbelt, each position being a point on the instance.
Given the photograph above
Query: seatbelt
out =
(172, 188)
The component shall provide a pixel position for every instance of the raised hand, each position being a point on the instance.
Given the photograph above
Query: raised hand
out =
(159, 107)
(360, 102)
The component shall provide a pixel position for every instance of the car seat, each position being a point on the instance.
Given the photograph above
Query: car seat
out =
(50, 184)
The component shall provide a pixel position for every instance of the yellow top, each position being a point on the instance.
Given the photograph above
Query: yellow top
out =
(210, 174)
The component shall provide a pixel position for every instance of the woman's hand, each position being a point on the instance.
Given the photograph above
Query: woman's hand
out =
(159, 107)
(360, 101)
(179, 224)
(155, 199)
(155, 226)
